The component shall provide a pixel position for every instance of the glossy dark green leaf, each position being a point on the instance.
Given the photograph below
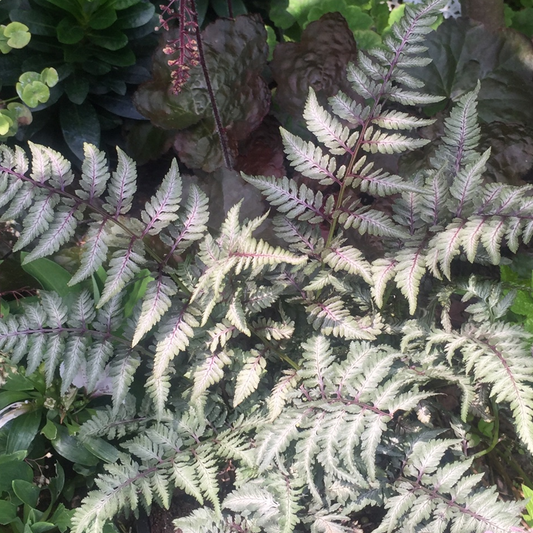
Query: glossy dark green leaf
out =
(136, 15)
(97, 68)
(70, 7)
(14, 470)
(221, 7)
(120, 105)
(124, 4)
(38, 22)
(103, 18)
(23, 430)
(79, 124)
(118, 58)
(72, 449)
(69, 31)
(76, 87)
(8, 512)
(12, 457)
(42, 527)
(111, 39)
(7, 397)
(27, 492)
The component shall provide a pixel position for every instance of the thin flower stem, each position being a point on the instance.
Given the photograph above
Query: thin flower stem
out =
(218, 122)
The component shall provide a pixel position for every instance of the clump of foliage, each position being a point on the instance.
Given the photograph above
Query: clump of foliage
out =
(314, 367)
(33, 88)
(97, 48)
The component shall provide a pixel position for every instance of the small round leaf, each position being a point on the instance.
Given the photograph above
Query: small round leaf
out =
(49, 76)
(17, 35)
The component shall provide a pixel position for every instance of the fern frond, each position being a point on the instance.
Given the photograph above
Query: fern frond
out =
(94, 251)
(348, 259)
(121, 186)
(162, 208)
(192, 225)
(332, 318)
(156, 302)
(94, 173)
(398, 120)
(210, 372)
(347, 109)
(309, 159)
(376, 141)
(298, 203)
(326, 128)
(248, 378)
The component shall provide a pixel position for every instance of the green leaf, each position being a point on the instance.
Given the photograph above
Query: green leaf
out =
(136, 292)
(8, 512)
(80, 125)
(71, 448)
(76, 87)
(38, 22)
(111, 39)
(17, 35)
(136, 15)
(102, 449)
(27, 492)
(49, 430)
(50, 77)
(49, 274)
(5, 122)
(23, 430)
(103, 18)
(69, 31)
(12, 470)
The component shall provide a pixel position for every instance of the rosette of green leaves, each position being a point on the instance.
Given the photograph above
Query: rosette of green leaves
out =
(97, 47)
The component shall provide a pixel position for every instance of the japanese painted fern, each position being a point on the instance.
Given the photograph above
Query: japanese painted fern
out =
(296, 363)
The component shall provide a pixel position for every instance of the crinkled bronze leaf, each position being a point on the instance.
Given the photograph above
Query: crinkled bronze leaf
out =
(511, 158)
(464, 52)
(319, 61)
(261, 154)
(236, 52)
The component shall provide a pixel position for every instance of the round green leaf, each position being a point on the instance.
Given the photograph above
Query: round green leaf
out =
(34, 94)
(69, 31)
(21, 113)
(49, 76)
(5, 122)
(17, 35)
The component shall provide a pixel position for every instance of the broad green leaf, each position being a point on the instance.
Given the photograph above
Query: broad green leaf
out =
(71, 448)
(8, 511)
(27, 492)
(69, 31)
(23, 430)
(49, 274)
(135, 16)
(80, 125)
(103, 18)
